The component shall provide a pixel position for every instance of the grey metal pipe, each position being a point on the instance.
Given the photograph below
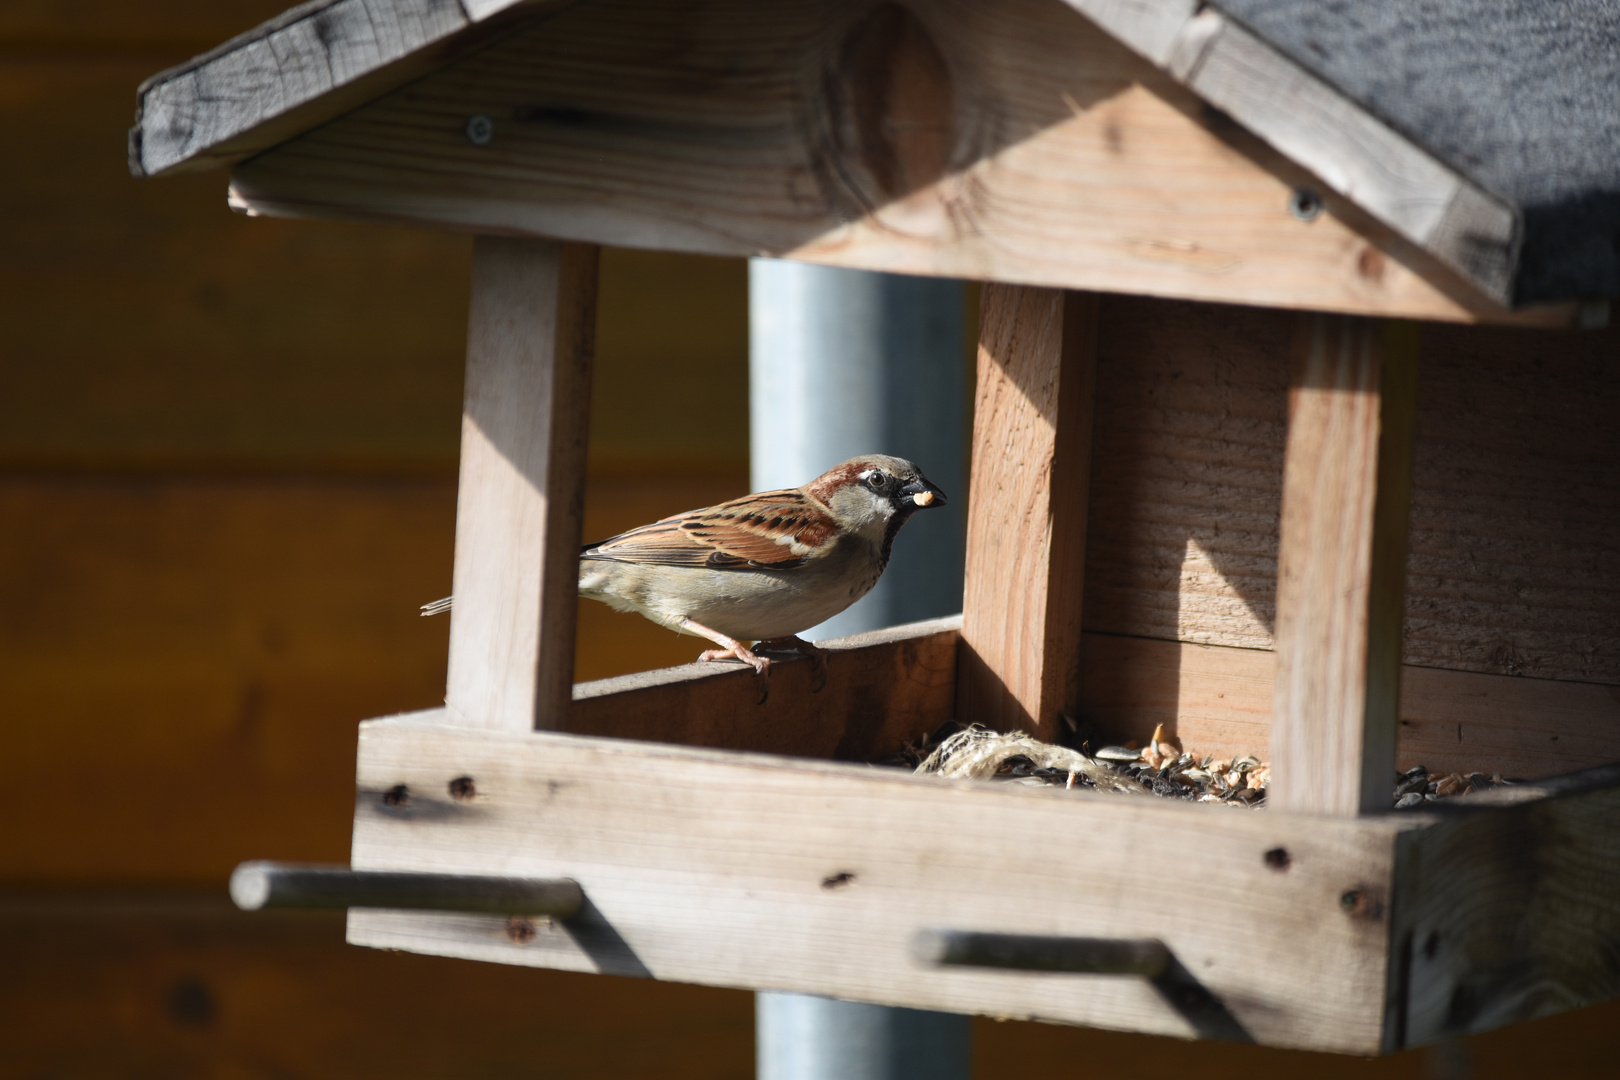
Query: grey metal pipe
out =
(815, 1038)
(257, 885)
(846, 362)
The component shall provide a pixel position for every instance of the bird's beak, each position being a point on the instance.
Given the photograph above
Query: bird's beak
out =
(922, 493)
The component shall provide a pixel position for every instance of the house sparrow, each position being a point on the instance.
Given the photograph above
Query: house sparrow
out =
(765, 566)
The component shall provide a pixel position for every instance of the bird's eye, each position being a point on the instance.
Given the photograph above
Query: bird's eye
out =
(877, 479)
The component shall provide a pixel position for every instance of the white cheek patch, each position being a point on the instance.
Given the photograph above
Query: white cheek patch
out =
(923, 498)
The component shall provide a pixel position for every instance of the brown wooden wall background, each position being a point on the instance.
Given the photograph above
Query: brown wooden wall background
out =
(226, 481)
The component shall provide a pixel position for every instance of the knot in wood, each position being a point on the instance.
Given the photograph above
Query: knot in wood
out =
(889, 110)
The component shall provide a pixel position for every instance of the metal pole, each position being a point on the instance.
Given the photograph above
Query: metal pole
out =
(801, 1037)
(846, 362)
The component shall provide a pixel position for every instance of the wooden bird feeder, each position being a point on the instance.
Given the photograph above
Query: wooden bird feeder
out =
(1213, 486)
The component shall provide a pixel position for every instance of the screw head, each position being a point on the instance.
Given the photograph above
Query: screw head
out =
(480, 130)
(1305, 204)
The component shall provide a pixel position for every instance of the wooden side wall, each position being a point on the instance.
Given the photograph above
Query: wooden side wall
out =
(1512, 626)
(1516, 489)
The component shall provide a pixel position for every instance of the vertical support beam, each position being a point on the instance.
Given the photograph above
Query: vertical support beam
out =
(1019, 665)
(523, 440)
(1341, 565)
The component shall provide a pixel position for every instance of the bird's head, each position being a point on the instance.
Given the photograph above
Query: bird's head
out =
(874, 490)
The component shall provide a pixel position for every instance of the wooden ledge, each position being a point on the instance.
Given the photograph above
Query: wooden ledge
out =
(1362, 935)
(883, 689)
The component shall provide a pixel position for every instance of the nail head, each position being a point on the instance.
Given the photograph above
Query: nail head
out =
(1305, 204)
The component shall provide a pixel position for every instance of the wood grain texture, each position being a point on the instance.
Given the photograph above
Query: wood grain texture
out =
(522, 487)
(1516, 505)
(1508, 914)
(1186, 479)
(298, 70)
(884, 689)
(726, 869)
(1218, 701)
(1010, 141)
(1341, 565)
(1151, 27)
(1516, 489)
(1210, 699)
(1353, 150)
(1025, 576)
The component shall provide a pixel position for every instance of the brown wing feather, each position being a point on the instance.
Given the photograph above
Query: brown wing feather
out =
(775, 529)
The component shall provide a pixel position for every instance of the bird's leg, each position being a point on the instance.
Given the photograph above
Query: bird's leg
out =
(795, 643)
(730, 648)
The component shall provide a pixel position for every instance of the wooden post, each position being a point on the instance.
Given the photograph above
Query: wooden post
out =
(523, 436)
(1341, 565)
(1019, 662)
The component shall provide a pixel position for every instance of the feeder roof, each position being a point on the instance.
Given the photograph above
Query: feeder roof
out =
(1523, 98)
(1485, 132)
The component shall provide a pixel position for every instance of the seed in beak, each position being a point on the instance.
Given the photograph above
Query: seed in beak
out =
(923, 498)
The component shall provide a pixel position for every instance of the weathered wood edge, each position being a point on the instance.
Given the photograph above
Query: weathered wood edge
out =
(1322, 129)
(1431, 847)
(1569, 785)
(320, 59)
(690, 884)
(1218, 699)
(307, 65)
(1504, 909)
(882, 691)
(1390, 823)
(650, 680)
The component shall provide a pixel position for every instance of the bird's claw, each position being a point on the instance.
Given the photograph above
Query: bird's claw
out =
(760, 664)
(794, 643)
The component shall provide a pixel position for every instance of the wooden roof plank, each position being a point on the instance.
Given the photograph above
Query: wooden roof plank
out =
(326, 58)
(1037, 150)
(304, 67)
